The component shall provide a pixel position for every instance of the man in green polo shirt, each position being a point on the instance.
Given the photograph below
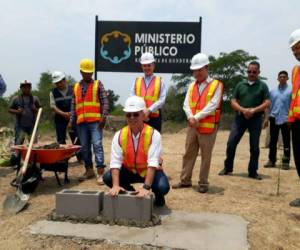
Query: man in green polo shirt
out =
(250, 99)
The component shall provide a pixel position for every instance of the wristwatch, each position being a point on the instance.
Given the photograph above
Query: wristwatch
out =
(147, 187)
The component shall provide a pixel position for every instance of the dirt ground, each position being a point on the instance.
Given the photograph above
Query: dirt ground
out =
(273, 224)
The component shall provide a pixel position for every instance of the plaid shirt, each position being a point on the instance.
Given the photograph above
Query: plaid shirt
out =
(102, 96)
(2, 86)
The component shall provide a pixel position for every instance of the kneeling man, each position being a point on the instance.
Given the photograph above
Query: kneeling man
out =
(135, 156)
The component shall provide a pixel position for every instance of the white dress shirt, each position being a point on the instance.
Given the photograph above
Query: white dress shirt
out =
(163, 93)
(211, 105)
(154, 152)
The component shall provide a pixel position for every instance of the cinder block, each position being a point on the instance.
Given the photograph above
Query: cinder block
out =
(82, 204)
(127, 206)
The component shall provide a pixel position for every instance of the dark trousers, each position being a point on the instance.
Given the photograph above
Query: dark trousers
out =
(155, 122)
(160, 185)
(296, 143)
(61, 134)
(238, 128)
(274, 133)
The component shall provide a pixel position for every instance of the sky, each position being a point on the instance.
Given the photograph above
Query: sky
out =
(47, 35)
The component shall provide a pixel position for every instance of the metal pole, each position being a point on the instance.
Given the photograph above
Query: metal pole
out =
(96, 45)
(200, 24)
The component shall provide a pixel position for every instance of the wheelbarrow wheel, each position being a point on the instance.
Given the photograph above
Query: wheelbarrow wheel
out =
(30, 181)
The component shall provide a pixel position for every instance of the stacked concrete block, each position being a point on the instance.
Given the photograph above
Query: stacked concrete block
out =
(82, 204)
(127, 207)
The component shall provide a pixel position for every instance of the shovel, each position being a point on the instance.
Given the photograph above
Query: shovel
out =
(15, 203)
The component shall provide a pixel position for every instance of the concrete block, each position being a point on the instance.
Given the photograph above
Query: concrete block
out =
(82, 204)
(127, 206)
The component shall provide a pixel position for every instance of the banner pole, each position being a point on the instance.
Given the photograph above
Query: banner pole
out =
(200, 24)
(96, 46)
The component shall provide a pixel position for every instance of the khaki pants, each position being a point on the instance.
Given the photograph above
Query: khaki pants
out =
(194, 141)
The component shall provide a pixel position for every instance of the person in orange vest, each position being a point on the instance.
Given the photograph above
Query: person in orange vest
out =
(294, 112)
(89, 111)
(202, 106)
(152, 89)
(135, 156)
(250, 100)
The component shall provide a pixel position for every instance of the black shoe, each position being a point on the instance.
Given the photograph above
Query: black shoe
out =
(285, 166)
(224, 171)
(203, 188)
(255, 176)
(269, 164)
(295, 203)
(159, 201)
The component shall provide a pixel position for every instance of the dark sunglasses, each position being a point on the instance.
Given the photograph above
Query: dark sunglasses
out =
(135, 115)
(252, 72)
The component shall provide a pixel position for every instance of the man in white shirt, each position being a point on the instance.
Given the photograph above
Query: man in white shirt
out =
(202, 106)
(135, 156)
(152, 89)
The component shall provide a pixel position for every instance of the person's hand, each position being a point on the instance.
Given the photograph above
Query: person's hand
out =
(248, 113)
(265, 124)
(146, 114)
(69, 127)
(142, 192)
(115, 190)
(66, 115)
(102, 123)
(193, 122)
(34, 108)
(20, 110)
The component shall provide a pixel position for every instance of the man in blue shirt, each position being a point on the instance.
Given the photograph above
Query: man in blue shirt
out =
(278, 116)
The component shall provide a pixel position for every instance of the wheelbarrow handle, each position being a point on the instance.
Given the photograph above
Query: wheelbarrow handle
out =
(25, 163)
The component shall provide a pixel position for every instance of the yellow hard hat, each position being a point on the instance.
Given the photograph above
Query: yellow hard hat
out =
(87, 65)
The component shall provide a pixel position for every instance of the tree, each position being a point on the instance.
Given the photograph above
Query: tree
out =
(112, 99)
(230, 68)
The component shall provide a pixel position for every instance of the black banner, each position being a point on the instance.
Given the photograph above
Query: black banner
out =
(119, 45)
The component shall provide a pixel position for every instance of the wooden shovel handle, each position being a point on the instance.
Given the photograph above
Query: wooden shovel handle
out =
(37, 120)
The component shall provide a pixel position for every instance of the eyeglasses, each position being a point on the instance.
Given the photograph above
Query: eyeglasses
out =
(252, 72)
(134, 115)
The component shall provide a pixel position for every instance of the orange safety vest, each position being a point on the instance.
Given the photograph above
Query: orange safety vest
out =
(136, 161)
(294, 112)
(197, 102)
(88, 108)
(150, 94)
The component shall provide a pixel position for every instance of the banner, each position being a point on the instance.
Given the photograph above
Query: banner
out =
(119, 45)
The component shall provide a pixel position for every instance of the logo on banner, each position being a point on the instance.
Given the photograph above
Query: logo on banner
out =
(115, 46)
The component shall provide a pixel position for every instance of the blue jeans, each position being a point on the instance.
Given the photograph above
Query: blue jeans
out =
(238, 128)
(91, 135)
(160, 185)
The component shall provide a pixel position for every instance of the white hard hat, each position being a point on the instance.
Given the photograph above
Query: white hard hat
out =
(57, 76)
(294, 38)
(134, 104)
(147, 58)
(199, 61)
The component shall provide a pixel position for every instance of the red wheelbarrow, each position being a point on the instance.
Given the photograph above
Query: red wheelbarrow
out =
(54, 160)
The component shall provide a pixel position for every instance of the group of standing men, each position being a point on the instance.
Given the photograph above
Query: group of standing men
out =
(136, 148)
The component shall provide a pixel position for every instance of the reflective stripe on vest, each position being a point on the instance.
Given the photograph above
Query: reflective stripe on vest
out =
(136, 161)
(197, 102)
(150, 94)
(294, 112)
(88, 107)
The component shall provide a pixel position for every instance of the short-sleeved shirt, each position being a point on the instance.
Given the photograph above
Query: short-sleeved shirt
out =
(27, 118)
(251, 96)
(280, 103)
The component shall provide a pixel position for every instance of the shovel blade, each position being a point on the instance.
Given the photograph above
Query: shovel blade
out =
(15, 203)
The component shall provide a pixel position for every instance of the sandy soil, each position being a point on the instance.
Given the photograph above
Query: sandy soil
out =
(273, 224)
